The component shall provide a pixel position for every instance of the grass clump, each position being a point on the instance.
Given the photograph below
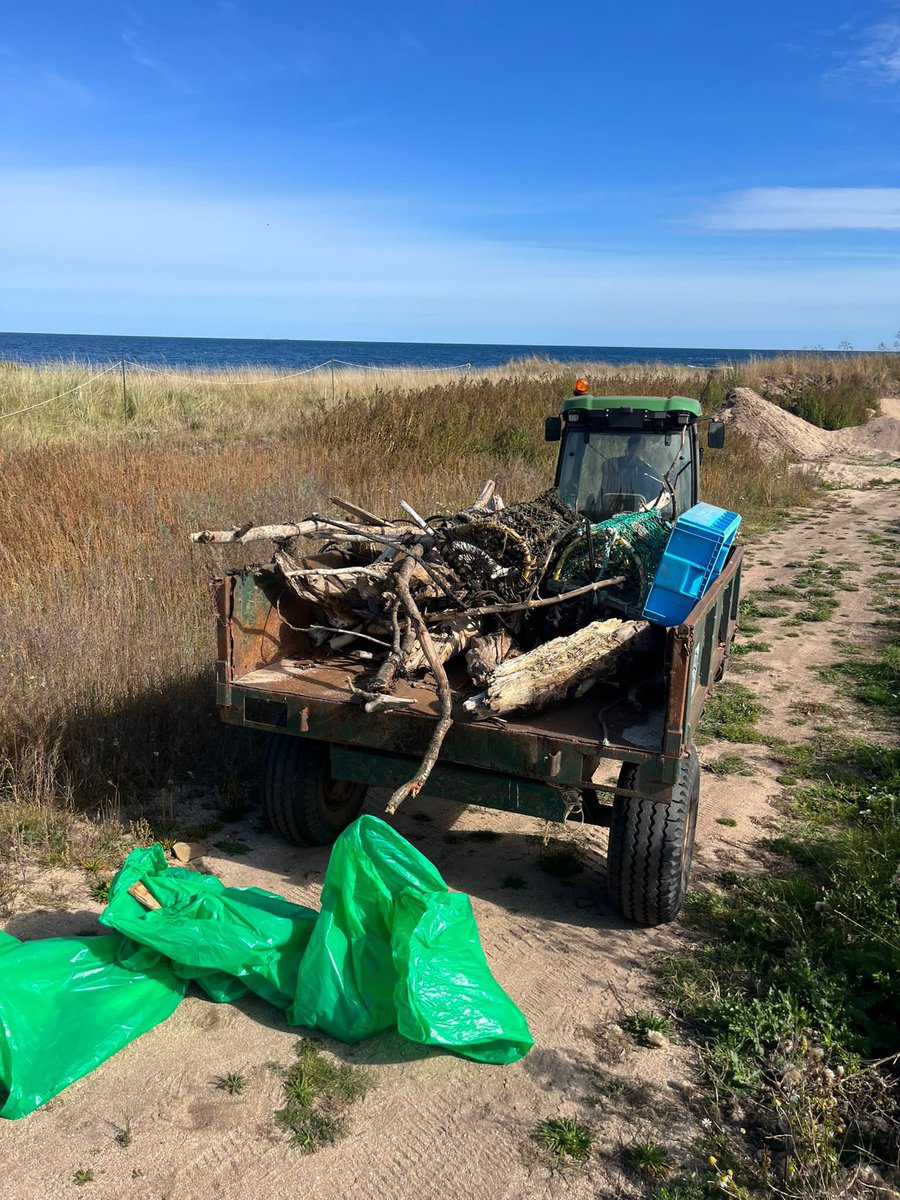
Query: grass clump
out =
(649, 1158)
(483, 835)
(561, 859)
(731, 715)
(816, 612)
(317, 1094)
(728, 764)
(729, 821)
(234, 1083)
(100, 891)
(80, 1178)
(566, 1138)
(753, 646)
(640, 1024)
(124, 1137)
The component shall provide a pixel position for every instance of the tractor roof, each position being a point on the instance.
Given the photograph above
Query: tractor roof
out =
(661, 404)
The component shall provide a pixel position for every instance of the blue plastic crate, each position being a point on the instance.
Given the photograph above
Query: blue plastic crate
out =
(694, 556)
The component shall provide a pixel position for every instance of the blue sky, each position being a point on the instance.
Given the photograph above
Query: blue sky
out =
(700, 174)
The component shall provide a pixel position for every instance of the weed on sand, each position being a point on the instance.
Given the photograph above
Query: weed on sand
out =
(565, 1138)
(731, 715)
(728, 764)
(317, 1095)
(642, 1024)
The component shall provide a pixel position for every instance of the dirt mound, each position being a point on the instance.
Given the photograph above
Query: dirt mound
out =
(777, 433)
(880, 435)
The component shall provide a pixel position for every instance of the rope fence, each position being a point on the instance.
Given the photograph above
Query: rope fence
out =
(77, 388)
(124, 364)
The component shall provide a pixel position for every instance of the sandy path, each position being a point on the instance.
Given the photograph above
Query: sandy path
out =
(436, 1127)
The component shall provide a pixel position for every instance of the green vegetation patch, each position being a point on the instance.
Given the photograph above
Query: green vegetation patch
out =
(561, 859)
(875, 681)
(640, 1024)
(728, 764)
(234, 1083)
(798, 983)
(566, 1138)
(649, 1158)
(317, 1095)
(731, 715)
(753, 646)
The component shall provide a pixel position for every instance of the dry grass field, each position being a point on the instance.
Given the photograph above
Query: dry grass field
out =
(106, 624)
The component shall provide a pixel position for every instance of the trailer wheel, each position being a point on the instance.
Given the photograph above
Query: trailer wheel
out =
(651, 843)
(300, 799)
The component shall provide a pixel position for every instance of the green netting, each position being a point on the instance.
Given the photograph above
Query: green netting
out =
(629, 544)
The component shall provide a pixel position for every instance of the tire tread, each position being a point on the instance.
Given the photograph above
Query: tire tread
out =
(292, 789)
(647, 844)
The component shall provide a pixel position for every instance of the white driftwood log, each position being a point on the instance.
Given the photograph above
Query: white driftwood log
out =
(551, 671)
(313, 527)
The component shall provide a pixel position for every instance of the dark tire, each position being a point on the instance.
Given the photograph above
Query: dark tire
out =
(651, 843)
(300, 799)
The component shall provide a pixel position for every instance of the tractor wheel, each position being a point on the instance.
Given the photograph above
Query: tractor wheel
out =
(651, 843)
(300, 799)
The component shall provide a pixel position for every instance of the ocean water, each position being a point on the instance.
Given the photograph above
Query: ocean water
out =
(217, 353)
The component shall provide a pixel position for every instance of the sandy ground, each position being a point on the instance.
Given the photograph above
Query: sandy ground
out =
(436, 1127)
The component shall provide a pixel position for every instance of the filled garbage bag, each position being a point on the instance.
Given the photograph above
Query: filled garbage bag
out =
(393, 948)
(67, 1004)
(230, 940)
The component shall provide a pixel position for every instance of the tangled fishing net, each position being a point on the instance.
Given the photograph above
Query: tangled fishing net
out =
(504, 555)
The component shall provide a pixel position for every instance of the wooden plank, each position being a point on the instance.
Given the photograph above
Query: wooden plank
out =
(144, 896)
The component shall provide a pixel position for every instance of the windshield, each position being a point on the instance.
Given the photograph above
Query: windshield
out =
(602, 474)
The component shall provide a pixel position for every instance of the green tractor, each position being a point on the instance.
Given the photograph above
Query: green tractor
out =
(629, 453)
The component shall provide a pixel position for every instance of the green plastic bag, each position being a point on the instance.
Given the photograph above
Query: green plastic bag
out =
(67, 1004)
(230, 940)
(393, 948)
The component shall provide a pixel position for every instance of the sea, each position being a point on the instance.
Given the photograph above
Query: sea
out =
(288, 354)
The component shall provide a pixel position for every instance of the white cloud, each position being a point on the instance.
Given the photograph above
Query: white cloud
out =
(116, 252)
(795, 208)
(880, 56)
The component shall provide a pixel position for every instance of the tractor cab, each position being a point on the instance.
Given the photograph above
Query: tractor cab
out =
(629, 453)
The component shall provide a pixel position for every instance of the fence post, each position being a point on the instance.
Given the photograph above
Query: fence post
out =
(127, 408)
(331, 360)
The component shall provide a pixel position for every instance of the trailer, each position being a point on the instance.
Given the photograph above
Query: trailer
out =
(324, 751)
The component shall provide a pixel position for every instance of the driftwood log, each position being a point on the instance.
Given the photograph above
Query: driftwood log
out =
(321, 528)
(563, 666)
